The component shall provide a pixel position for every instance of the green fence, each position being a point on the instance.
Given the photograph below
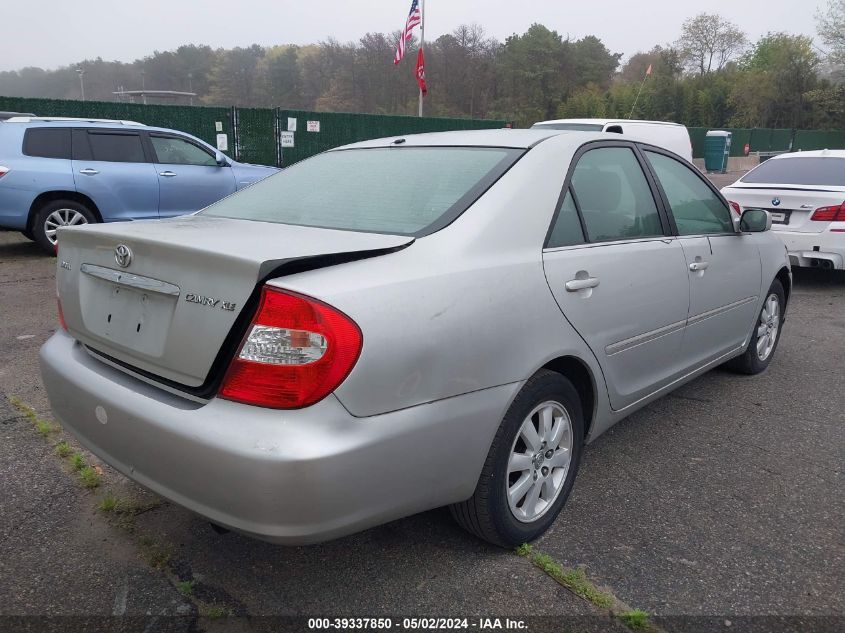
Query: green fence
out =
(314, 132)
(255, 135)
(767, 140)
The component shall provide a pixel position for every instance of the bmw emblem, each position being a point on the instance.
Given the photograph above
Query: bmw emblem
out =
(122, 255)
(776, 202)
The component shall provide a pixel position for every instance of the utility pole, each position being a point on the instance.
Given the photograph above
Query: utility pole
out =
(422, 45)
(81, 82)
(191, 86)
(144, 86)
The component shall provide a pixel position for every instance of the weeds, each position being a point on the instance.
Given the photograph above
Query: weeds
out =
(635, 619)
(186, 588)
(63, 449)
(89, 477)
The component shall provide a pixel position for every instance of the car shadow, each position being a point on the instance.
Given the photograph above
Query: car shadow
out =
(814, 278)
(14, 245)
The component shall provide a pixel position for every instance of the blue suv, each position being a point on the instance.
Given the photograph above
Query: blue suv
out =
(57, 172)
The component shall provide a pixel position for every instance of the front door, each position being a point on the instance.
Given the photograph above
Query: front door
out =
(618, 276)
(189, 177)
(723, 265)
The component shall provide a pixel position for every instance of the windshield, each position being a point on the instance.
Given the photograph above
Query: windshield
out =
(821, 171)
(404, 191)
(577, 127)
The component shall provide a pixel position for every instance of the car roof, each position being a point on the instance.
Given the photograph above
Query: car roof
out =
(816, 153)
(71, 122)
(506, 137)
(606, 121)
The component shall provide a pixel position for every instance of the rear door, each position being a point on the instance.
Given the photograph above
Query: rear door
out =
(617, 274)
(724, 266)
(111, 167)
(188, 175)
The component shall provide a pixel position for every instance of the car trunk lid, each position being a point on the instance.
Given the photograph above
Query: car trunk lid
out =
(791, 207)
(185, 282)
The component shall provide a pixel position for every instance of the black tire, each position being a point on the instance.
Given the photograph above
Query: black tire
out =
(39, 231)
(28, 235)
(487, 514)
(750, 362)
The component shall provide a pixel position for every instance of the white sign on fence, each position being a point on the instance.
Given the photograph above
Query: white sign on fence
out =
(313, 126)
(291, 124)
(287, 139)
(222, 142)
(218, 126)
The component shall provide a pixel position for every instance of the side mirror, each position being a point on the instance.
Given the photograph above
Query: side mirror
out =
(755, 221)
(222, 161)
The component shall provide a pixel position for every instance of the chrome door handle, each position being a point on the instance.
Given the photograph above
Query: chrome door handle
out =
(167, 174)
(699, 265)
(574, 285)
(88, 171)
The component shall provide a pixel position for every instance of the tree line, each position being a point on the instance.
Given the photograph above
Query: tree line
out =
(710, 76)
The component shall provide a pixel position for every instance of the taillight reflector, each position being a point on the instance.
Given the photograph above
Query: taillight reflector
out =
(3, 171)
(735, 206)
(297, 351)
(829, 214)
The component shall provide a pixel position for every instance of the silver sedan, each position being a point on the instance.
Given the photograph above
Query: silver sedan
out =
(406, 323)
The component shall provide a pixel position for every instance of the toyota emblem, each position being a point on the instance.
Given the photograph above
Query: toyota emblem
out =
(122, 255)
(776, 202)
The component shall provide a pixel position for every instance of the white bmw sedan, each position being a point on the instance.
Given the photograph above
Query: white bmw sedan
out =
(804, 193)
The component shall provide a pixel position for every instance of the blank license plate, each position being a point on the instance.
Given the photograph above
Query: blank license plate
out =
(780, 218)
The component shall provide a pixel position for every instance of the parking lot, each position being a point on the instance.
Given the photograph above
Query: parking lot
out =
(718, 503)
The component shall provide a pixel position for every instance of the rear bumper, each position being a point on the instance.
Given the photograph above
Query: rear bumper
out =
(815, 250)
(290, 477)
(14, 207)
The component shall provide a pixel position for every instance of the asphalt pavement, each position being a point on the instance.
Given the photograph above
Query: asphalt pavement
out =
(723, 501)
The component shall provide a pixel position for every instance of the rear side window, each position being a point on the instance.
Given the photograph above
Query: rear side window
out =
(567, 228)
(49, 142)
(614, 196)
(116, 148)
(403, 191)
(815, 171)
(696, 209)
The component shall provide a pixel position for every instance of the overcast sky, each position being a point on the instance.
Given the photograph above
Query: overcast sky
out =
(52, 33)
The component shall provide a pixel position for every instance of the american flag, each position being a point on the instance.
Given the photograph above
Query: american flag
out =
(414, 19)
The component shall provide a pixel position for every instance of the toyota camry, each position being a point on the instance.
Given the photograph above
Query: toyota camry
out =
(406, 323)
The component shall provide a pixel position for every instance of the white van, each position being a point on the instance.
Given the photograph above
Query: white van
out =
(671, 136)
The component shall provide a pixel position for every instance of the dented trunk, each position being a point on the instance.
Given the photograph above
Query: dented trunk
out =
(163, 297)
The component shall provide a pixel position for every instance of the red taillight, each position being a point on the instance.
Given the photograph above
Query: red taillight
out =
(829, 214)
(735, 206)
(3, 171)
(61, 314)
(297, 351)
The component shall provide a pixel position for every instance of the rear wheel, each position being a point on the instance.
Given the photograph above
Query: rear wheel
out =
(766, 335)
(56, 214)
(531, 466)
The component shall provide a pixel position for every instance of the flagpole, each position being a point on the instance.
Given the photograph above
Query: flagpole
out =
(639, 92)
(422, 45)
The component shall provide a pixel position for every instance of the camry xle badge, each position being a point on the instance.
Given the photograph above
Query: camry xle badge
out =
(122, 255)
(210, 302)
(776, 202)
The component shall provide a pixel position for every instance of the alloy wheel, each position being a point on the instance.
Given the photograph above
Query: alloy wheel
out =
(767, 329)
(62, 217)
(539, 461)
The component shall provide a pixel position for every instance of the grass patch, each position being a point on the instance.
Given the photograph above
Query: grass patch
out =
(44, 427)
(77, 461)
(216, 612)
(63, 449)
(109, 503)
(635, 619)
(575, 580)
(186, 588)
(89, 477)
(154, 553)
(523, 550)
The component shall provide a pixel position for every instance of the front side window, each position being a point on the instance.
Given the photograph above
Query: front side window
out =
(696, 209)
(116, 148)
(614, 196)
(176, 151)
(47, 142)
(404, 191)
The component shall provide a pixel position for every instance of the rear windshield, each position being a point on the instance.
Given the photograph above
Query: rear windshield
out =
(827, 171)
(576, 127)
(405, 191)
